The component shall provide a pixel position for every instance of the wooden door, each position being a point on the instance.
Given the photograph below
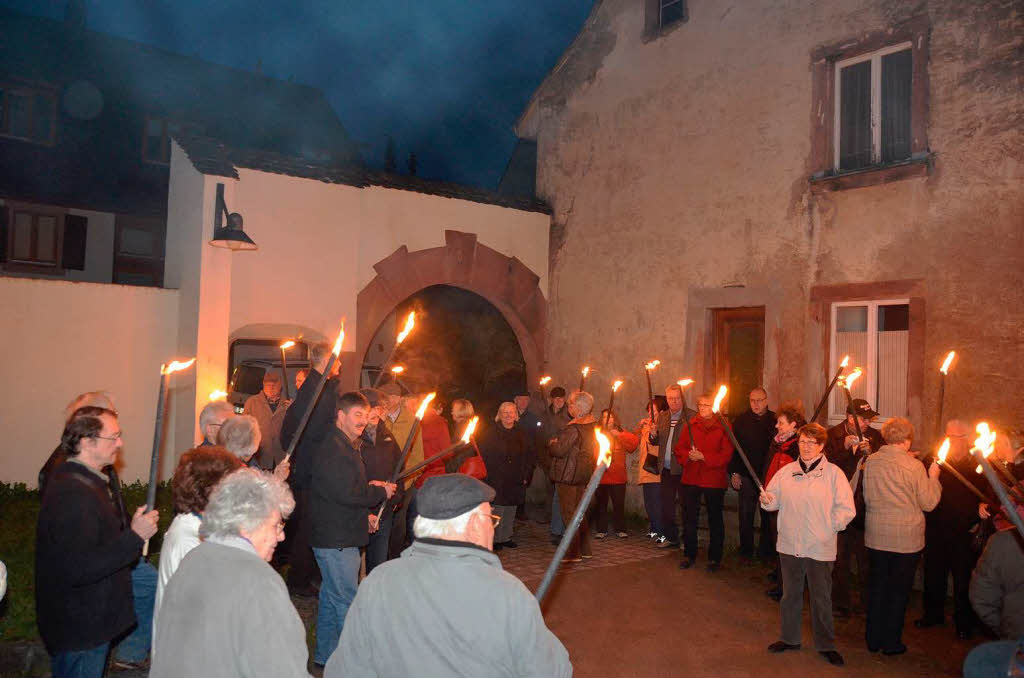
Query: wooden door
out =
(738, 354)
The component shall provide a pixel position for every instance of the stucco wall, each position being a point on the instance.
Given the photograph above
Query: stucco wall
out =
(679, 166)
(61, 339)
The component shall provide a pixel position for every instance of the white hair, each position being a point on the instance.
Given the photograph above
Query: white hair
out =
(515, 409)
(425, 528)
(584, 402)
(89, 399)
(215, 412)
(241, 436)
(243, 501)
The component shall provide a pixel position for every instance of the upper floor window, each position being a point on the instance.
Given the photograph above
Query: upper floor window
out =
(660, 15)
(873, 108)
(156, 139)
(34, 236)
(28, 113)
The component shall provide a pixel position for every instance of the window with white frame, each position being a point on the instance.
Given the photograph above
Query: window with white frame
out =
(876, 337)
(873, 96)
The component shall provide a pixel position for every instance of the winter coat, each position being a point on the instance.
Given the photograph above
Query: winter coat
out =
(380, 455)
(446, 609)
(504, 454)
(574, 453)
(552, 424)
(660, 435)
(84, 558)
(951, 521)
(341, 495)
(646, 447)
(780, 454)
(997, 585)
(436, 437)
(712, 440)
(623, 442)
(271, 453)
(897, 492)
(321, 425)
(835, 447)
(754, 433)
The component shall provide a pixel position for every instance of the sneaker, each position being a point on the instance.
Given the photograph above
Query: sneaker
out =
(833, 657)
(600, 535)
(587, 556)
(577, 559)
(124, 665)
(779, 646)
(621, 535)
(661, 539)
(652, 535)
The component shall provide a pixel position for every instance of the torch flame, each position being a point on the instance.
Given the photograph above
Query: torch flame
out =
(685, 382)
(722, 390)
(945, 363)
(943, 450)
(986, 439)
(852, 377)
(586, 370)
(287, 345)
(423, 406)
(397, 369)
(651, 365)
(341, 338)
(470, 427)
(846, 361)
(218, 394)
(544, 381)
(176, 366)
(616, 385)
(410, 322)
(604, 455)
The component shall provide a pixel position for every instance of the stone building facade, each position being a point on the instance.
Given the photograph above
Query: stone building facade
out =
(748, 190)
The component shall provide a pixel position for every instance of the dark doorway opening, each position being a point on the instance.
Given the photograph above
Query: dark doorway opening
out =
(738, 353)
(462, 347)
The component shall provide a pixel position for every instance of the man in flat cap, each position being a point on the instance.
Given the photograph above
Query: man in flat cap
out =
(453, 595)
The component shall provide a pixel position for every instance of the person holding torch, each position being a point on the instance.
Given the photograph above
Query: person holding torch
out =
(573, 458)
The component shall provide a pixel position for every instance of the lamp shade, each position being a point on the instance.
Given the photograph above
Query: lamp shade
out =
(232, 236)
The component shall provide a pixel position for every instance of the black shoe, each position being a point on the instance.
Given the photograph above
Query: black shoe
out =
(686, 564)
(779, 646)
(773, 575)
(497, 547)
(304, 592)
(774, 594)
(893, 651)
(509, 544)
(927, 623)
(555, 541)
(713, 567)
(833, 657)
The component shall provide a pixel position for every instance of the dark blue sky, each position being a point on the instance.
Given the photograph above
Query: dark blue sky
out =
(446, 78)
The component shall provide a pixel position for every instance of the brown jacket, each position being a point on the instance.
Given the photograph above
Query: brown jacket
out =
(271, 453)
(574, 452)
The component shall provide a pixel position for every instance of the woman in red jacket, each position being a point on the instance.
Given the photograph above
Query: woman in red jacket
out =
(705, 474)
(613, 482)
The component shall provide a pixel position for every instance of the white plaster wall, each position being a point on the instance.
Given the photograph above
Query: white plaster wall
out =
(63, 338)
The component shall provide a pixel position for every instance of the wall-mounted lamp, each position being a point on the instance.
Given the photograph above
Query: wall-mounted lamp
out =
(231, 236)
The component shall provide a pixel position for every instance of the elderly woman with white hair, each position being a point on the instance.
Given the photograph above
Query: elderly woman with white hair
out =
(226, 613)
(241, 436)
(573, 460)
(211, 418)
(504, 451)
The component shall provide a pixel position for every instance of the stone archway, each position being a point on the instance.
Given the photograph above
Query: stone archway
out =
(504, 281)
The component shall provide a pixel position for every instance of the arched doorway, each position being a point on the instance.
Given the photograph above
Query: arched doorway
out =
(462, 348)
(505, 282)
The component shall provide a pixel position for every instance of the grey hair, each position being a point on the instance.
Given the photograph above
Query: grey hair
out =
(584, 402)
(241, 436)
(897, 430)
(429, 528)
(318, 354)
(215, 411)
(89, 399)
(461, 409)
(243, 501)
(515, 409)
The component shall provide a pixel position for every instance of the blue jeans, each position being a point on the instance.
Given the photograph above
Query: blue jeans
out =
(81, 663)
(652, 504)
(377, 549)
(135, 646)
(557, 524)
(340, 571)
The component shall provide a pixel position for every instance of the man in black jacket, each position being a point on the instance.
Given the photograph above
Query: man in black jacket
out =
(380, 452)
(754, 430)
(302, 567)
(341, 499)
(84, 555)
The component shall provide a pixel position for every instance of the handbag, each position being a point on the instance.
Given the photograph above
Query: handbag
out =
(651, 463)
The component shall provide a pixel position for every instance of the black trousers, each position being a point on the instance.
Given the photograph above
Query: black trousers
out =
(302, 568)
(942, 557)
(889, 582)
(749, 506)
(714, 499)
(671, 495)
(617, 493)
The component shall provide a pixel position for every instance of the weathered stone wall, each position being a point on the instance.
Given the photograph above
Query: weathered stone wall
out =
(678, 169)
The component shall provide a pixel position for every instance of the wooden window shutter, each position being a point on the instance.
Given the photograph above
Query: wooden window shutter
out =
(75, 236)
(897, 81)
(855, 116)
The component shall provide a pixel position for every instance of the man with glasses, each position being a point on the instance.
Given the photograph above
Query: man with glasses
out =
(84, 550)
(211, 418)
(446, 607)
(754, 430)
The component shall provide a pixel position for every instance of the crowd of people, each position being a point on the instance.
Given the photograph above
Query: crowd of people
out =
(830, 503)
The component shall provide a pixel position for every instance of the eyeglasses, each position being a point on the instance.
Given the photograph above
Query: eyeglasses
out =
(758, 400)
(496, 519)
(116, 436)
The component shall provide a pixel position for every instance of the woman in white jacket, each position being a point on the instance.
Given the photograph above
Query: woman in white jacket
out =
(815, 502)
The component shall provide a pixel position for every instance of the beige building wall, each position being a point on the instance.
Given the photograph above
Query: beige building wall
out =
(677, 169)
(63, 338)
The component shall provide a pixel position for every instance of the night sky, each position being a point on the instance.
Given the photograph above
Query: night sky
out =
(446, 79)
